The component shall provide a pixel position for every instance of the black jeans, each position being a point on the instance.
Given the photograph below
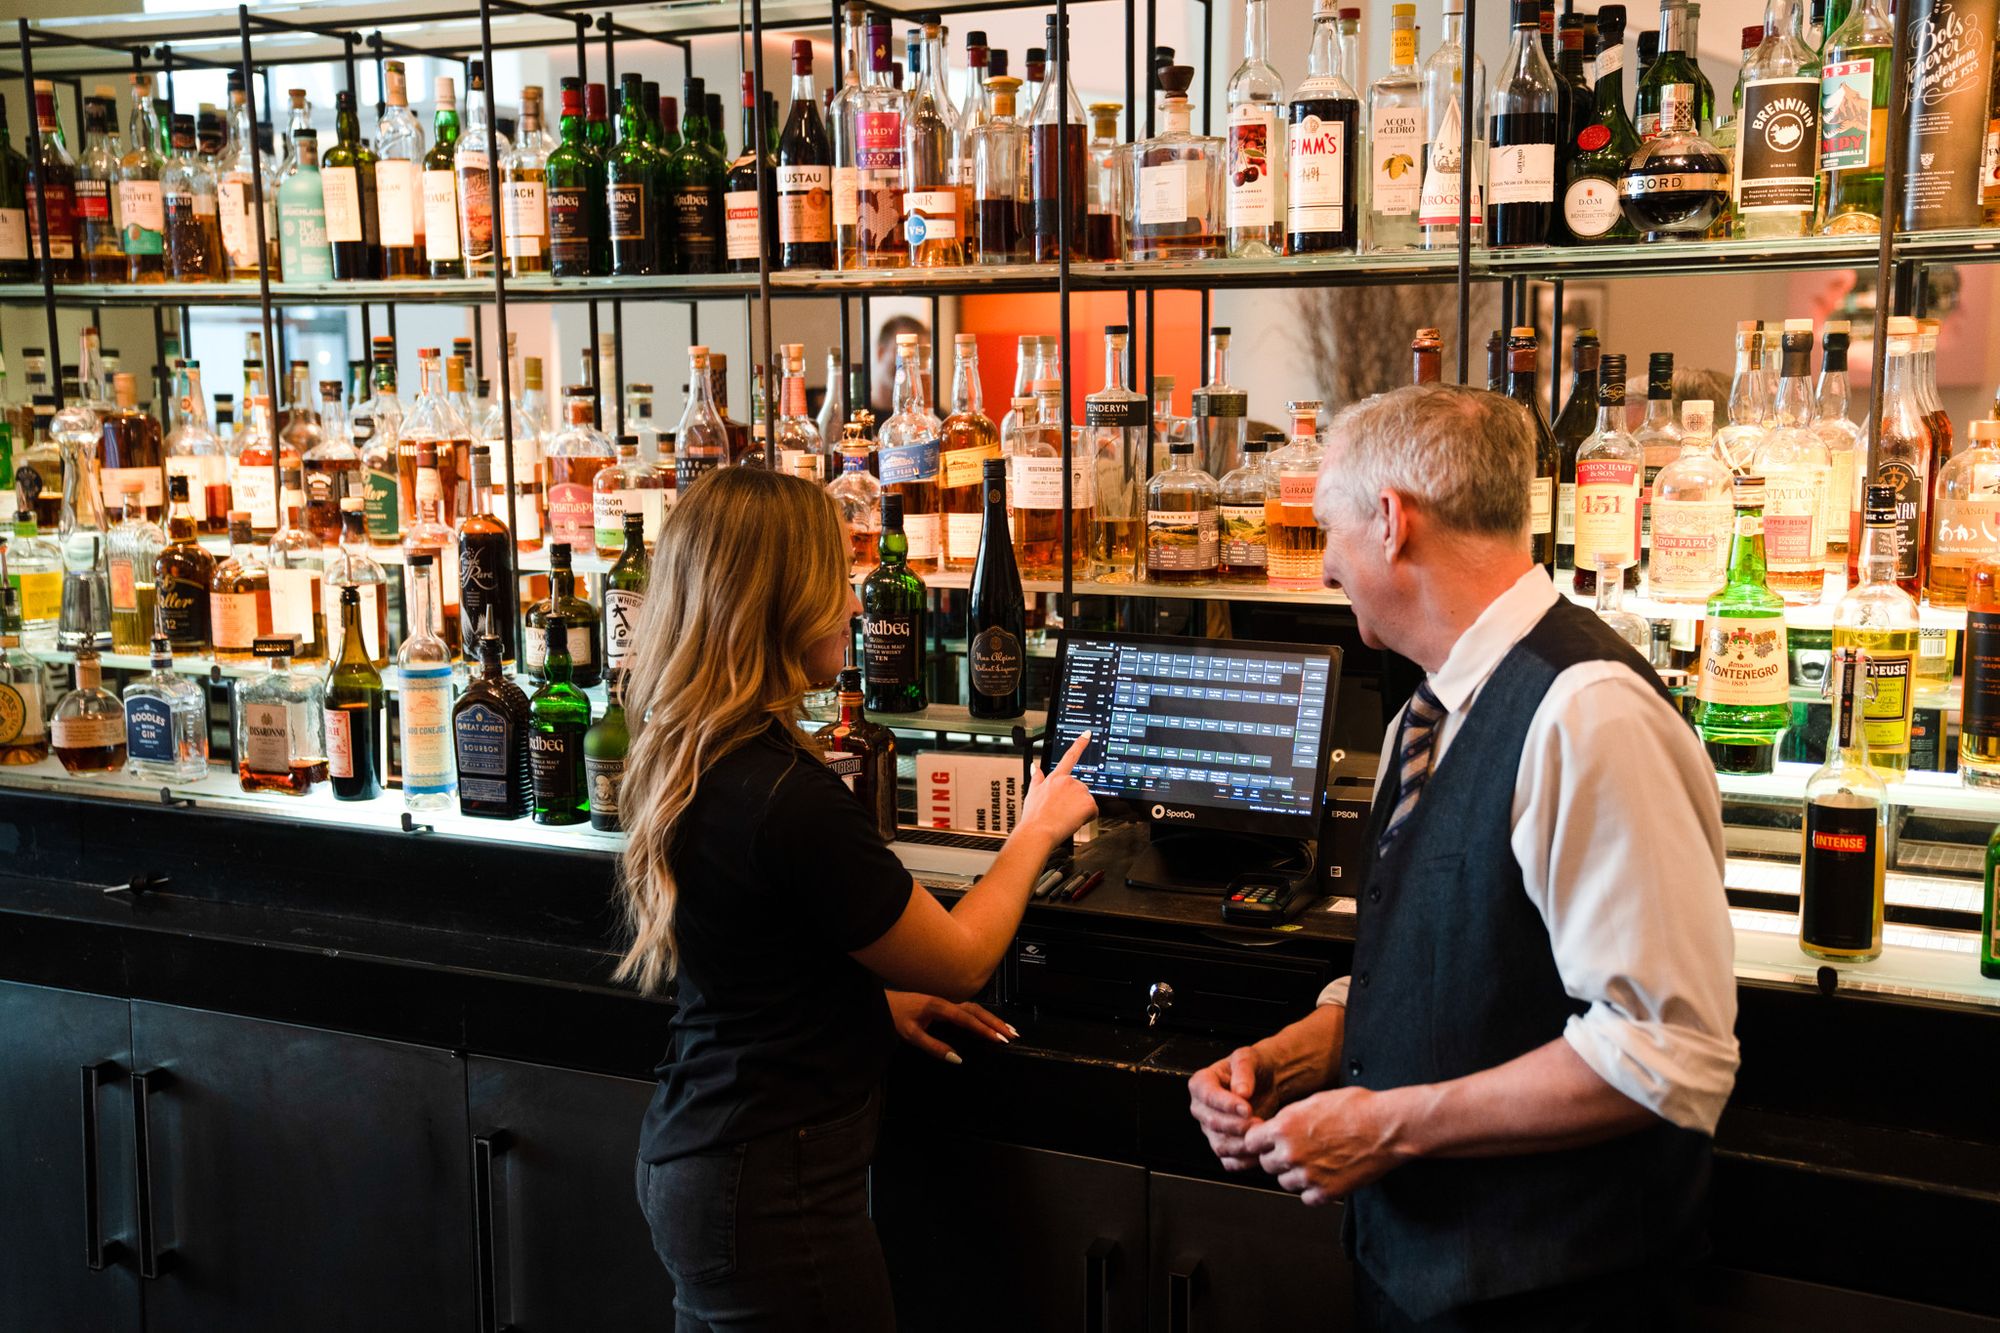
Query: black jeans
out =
(1649, 1302)
(774, 1234)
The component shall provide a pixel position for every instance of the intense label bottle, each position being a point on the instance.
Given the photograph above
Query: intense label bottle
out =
(1846, 832)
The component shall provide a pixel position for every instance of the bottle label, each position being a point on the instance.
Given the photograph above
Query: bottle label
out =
(961, 535)
(397, 200)
(1253, 189)
(1690, 547)
(878, 142)
(554, 764)
(13, 233)
(1590, 206)
(1607, 513)
(475, 193)
(1521, 173)
(1442, 178)
(605, 776)
(571, 514)
(481, 734)
(1036, 482)
(1609, 60)
(142, 217)
(846, 197)
(1115, 413)
(569, 225)
(536, 649)
(1677, 109)
(239, 230)
(1909, 488)
(89, 733)
(1295, 491)
(740, 233)
(1777, 146)
(440, 216)
(1885, 709)
(993, 663)
(1165, 192)
(845, 766)
(1242, 535)
(1226, 403)
(621, 625)
(424, 702)
(901, 463)
(1541, 505)
(1853, 130)
(1566, 513)
(527, 217)
(124, 583)
(1396, 145)
(930, 215)
(380, 503)
(967, 467)
(607, 517)
(689, 468)
(20, 712)
(112, 481)
(62, 221)
(803, 195)
(266, 742)
(695, 217)
(889, 643)
(149, 730)
(294, 600)
(1179, 539)
(1316, 176)
(183, 611)
(233, 619)
(252, 489)
(302, 243)
(1743, 661)
(1841, 876)
(340, 742)
(1967, 530)
(1981, 715)
(342, 186)
(93, 200)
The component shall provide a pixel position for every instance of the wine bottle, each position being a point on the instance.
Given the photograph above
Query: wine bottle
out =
(892, 622)
(1521, 159)
(996, 682)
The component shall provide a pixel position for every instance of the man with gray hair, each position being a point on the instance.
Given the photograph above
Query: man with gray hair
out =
(1515, 1088)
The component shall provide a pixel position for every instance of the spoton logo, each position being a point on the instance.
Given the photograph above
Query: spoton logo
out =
(1161, 812)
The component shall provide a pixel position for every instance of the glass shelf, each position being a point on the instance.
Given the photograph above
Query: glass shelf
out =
(960, 580)
(953, 720)
(1920, 789)
(1917, 962)
(1818, 615)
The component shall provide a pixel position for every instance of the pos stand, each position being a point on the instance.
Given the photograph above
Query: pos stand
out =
(1206, 861)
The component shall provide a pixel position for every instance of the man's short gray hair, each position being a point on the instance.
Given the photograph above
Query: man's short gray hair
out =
(1465, 456)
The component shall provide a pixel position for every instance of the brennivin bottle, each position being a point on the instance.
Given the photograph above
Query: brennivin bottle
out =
(353, 709)
(1743, 695)
(892, 623)
(1778, 141)
(1846, 833)
(996, 617)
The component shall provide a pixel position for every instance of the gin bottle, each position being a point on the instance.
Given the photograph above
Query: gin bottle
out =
(1255, 211)
(1447, 103)
(907, 453)
(1396, 140)
(1114, 440)
(1743, 695)
(166, 722)
(1846, 832)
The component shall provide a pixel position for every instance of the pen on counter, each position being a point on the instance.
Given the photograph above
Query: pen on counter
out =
(1090, 881)
(1049, 879)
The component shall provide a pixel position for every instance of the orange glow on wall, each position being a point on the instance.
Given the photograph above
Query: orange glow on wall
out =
(999, 320)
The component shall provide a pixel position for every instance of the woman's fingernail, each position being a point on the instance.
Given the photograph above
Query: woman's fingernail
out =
(1001, 1037)
(953, 1058)
(1013, 1031)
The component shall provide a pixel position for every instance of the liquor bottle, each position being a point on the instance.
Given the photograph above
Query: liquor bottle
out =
(1690, 513)
(280, 725)
(1114, 445)
(1396, 140)
(1902, 457)
(1294, 542)
(1573, 425)
(1846, 832)
(1034, 67)
(639, 424)
(239, 596)
(998, 155)
(628, 487)
(524, 221)
(1322, 201)
(1576, 106)
(804, 175)
(907, 453)
(1854, 120)
(131, 449)
(182, 574)
(1056, 130)
(354, 710)
(424, 699)
(1103, 183)
(399, 200)
(800, 449)
(236, 194)
(166, 722)
(1669, 90)
(1965, 529)
(624, 595)
(304, 254)
(933, 213)
(585, 626)
(1181, 521)
(134, 554)
(967, 440)
(573, 458)
(631, 179)
(575, 242)
(347, 179)
(34, 570)
(435, 422)
(1979, 736)
(1172, 184)
(892, 623)
(1242, 497)
(352, 567)
(1520, 161)
(1659, 437)
(559, 715)
(976, 106)
(1595, 160)
(1256, 210)
(1951, 67)
(490, 725)
(374, 426)
(428, 533)
(866, 124)
(473, 157)
(1936, 419)
(195, 453)
(862, 754)
(442, 250)
(1221, 410)
(743, 231)
(1738, 441)
(194, 232)
(1548, 456)
(52, 164)
(15, 264)
(859, 496)
(604, 749)
(1743, 699)
(1797, 472)
(87, 729)
(486, 579)
(25, 687)
(1777, 140)
(696, 181)
(1447, 102)
(1843, 441)
(1879, 620)
(996, 617)
(701, 442)
(1610, 468)
(82, 535)
(130, 244)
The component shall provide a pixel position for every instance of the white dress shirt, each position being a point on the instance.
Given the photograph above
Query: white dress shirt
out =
(1618, 833)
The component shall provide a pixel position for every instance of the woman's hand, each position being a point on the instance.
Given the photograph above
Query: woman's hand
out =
(914, 1014)
(1059, 804)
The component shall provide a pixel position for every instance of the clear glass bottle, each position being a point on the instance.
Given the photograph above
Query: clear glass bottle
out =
(1846, 834)
(193, 452)
(1843, 441)
(1396, 140)
(236, 194)
(868, 152)
(1181, 521)
(1610, 471)
(933, 220)
(1854, 120)
(331, 466)
(1777, 140)
(141, 217)
(1446, 105)
(428, 534)
(859, 496)
(701, 441)
(1635, 630)
(434, 422)
(134, 552)
(1173, 186)
(801, 450)
(999, 156)
(399, 164)
(280, 725)
(1166, 426)
(523, 172)
(1902, 457)
(296, 564)
(1242, 497)
(34, 570)
(1035, 489)
(1743, 692)
(1690, 511)
(166, 722)
(968, 438)
(1104, 210)
(1659, 435)
(1221, 411)
(526, 515)
(26, 687)
(1965, 528)
(1057, 130)
(843, 127)
(83, 535)
(628, 486)
(1879, 620)
(1797, 471)
(239, 601)
(1294, 542)
(87, 729)
(1737, 442)
(1114, 440)
(1255, 208)
(424, 699)
(478, 147)
(351, 566)
(907, 452)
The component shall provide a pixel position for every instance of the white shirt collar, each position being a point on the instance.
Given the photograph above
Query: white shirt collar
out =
(1504, 623)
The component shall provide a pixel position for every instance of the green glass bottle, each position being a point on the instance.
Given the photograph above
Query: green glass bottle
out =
(604, 747)
(696, 185)
(573, 240)
(1989, 919)
(1670, 90)
(624, 595)
(347, 180)
(559, 715)
(1854, 120)
(304, 254)
(1743, 698)
(631, 180)
(441, 188)
(353, 710)
(1605, 142)
(892, 622)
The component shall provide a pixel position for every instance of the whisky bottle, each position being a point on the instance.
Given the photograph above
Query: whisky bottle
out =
(131, 450)
(695, 180)
(347, 177)
(1797, 472)
(586, 630)
(280, 725)
(862, 754)
(52, 175)
(440, 185)
(1743, 695)
(523, 171)
(907, 453)
(490, 725)
(15, 265)
(970, 441)
(559, 716)
(236, 195)
(1037, 471)
(859, 496)
(140, 225)
(87, 730)
(892, 623)
(354, 710)
(1965, 531)
(134, 548)
(1979, 735)
(1294, 543)
(100, 248)
(1609, 471)
(573, 459)
(423, 699)
(182, 576)
(239, 601)
(1173, 184)
(624, 596)
(996, 617)
(1181, 528)
(604, 749)
(631, 183)
(626, 489)
(1241, 555)
(473, 158)
(375, 425)
(1879, 620)
(24, 687)
(486, 580)
(399, 191)
(1846, 832)
(574, 195)
(1114, 449)
(435, 423)
(303, 250)
(1221, 411)
(1573, 425)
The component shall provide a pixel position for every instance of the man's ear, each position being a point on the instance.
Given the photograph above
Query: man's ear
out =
(1395, 516)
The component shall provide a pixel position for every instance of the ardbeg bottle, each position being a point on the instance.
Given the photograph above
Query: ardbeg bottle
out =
(892, 622)
(996, 679)
(1743, 698)
(1846, 833)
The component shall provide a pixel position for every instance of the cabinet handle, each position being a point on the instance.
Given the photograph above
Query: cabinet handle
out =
(94, 1248)
(151, 1261)
(1097, 1262)
(1181, 1280)
(485, 1147)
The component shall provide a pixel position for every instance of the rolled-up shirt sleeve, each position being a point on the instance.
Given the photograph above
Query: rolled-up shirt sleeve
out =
(1618, 832)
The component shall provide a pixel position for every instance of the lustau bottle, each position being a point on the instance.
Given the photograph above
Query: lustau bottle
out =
(1522, 129)
(1057, 132)
(996, 617)
(1743, 693)
(862, 754)
(490, 725)
(1321, 201)
(893, 649)
(805, 174)
(1846, 833)
(353, 710)
(1548, 456)
(559, 715)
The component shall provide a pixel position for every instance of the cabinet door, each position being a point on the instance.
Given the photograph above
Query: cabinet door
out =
(66, 1169)
(984, 1236)
(562, 1243)
(1230, 1257)
(294, 1178)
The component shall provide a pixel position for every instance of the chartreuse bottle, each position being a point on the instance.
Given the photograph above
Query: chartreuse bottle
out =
(1743, 699)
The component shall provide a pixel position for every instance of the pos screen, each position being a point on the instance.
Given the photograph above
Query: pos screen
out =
(1199, 733)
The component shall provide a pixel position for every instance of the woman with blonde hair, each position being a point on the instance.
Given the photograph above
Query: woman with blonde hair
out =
(757, 883)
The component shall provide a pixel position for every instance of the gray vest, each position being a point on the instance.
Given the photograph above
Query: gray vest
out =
(1453, 973)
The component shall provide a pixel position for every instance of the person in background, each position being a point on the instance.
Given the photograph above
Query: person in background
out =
(755, 881)
(1516, 1087)
(882, 375)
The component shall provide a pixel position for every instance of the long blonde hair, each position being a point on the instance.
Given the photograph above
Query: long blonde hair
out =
(749, 573)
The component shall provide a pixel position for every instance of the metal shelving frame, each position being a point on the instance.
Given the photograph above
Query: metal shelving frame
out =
(1898, 258)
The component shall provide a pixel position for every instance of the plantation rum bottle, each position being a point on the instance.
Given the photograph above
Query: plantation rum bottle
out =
(969, 438)
(1743, 695)
(1879, 620)
(1690, 514)
(862, 754)
(1294, 542)
(490, 725)
(892, 623)
(1846, 833)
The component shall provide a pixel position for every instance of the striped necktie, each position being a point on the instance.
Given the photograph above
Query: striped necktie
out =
(1415, 745)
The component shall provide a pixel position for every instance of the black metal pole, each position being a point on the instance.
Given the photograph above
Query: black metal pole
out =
(500, 314)
(1061, 95)
(263, 270)
(42, 214)
(1555, 347)
(767, 227)
(1466, 114)
(582, 51)
(381, 76)
(1885, 251)
(867, 355)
